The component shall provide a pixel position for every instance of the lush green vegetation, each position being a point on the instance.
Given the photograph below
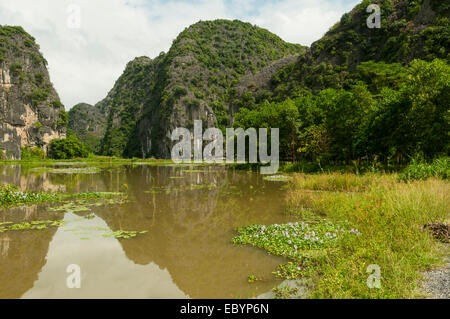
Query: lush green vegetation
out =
(204, 63)
(348, 222)
(67, 148)
(419, 169)
(11, 195)
(26, 42)
(88, 123)
(348, 43)
(32, 154)
(293, 240)
(358, 95)
(359, 99)
(34, 225)
(397, 114)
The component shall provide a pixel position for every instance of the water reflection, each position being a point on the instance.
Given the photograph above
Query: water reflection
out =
(191, 216)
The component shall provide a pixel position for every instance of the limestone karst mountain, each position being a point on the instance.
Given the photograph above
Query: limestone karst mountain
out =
(31, 114)
(409, 30)
(197, 79)
(88, 123)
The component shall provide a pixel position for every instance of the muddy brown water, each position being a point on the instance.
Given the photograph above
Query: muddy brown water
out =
(191, 217)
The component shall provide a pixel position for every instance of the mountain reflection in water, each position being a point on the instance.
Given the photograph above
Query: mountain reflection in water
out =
(191, 215)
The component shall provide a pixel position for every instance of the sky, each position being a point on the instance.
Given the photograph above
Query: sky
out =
(88, 43)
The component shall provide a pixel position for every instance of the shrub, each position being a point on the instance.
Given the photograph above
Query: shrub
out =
(39, 79)
(63, 117)
(420, 170)
(28, 153)
(15, 68)
(57, 104)
(180, 91)
(38, 96)
(68, 148)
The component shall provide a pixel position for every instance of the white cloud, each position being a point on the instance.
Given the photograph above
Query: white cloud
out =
(302, 21)
(84, 63)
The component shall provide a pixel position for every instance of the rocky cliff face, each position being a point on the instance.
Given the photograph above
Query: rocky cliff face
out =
(31, 113)
(88, 123)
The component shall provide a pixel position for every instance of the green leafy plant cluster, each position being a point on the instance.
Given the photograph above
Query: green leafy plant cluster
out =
(33, 225)
(419, 169)
(38, 96)
(11, 195)
(293, 240)
(124, 234)
(15, 68)
(32, 154)
(68, 148)
(383, 225)
(387, 113)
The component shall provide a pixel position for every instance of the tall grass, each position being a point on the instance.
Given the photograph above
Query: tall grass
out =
(420, 170)
(340, 182)
(389, 215)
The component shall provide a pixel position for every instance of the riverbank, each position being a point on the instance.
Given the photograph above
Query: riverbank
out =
(354, 230)
(91, 159)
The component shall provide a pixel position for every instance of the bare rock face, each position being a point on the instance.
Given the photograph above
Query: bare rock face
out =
(31, 114)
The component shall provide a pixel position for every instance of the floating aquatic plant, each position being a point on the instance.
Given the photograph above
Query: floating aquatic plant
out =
(293, 240)
(85, 170)
(124, 234)
(278, 178)
(252, 278)
(11, 195)
(33, 225)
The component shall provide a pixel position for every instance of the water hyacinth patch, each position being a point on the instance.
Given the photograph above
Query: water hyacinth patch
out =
(289, 271)
(11, 195)
(293, 240)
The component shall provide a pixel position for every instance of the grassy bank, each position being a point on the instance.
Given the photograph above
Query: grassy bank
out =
(348, 222)
(91, 159)
(417, 168)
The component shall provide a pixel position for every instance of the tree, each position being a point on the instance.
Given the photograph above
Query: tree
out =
(68, 148)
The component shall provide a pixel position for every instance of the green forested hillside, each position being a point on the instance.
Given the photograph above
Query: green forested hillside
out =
(192, 81)
(362, 94)
(409, 30)
(88, 123)
(125, 103)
